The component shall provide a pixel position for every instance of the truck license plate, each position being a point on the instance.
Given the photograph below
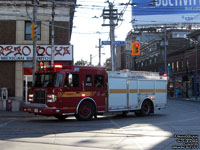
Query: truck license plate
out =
(36, 110)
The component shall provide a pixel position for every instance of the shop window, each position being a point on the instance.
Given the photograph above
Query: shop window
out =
(99, 81)
(28, 30)
(88, 80)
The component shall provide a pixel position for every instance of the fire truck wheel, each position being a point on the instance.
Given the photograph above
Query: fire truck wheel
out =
(145, 110)
(60, 117)
(86, 111)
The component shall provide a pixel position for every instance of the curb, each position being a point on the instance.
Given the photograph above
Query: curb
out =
(185, 99)
(20, 114)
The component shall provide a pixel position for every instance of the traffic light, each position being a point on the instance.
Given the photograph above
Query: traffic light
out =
(33, 31)
(136, 48)
(41, 65)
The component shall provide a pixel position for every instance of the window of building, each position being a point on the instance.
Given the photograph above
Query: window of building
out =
(187, 63)
(155, 60)
(99, 81)
(173, 67)
(182, 65)
(28, 30)
(177, 65)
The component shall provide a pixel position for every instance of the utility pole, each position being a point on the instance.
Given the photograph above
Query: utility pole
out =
(90, 59)
(35, 3)
(100, 46)
(52, 34)
(112, 15)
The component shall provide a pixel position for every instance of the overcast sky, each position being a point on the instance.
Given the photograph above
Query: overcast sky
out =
(88, 29)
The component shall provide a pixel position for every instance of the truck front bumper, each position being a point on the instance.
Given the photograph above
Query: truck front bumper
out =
(41, 109)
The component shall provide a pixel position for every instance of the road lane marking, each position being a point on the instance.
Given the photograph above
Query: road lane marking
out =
(5, 124)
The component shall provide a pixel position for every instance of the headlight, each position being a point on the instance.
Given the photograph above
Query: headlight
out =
(51, 98)
(30, 97)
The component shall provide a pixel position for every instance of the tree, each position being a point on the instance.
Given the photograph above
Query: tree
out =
(81, 63)
(107, 64)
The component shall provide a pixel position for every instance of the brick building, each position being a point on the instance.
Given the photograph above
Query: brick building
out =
(183, 81)
(16, 43)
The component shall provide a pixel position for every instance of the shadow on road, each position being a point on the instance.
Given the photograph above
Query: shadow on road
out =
(178, 118)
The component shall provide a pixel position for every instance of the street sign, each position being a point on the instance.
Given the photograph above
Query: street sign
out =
(114, 43)
(119, 43)
(105, 42)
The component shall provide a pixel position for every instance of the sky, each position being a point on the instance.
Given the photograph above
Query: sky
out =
(88, 29)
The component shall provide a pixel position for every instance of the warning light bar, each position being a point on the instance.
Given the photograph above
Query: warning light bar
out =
(58, 66)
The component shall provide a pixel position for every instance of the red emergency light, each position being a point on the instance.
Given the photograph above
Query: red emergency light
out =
(58, 66)
(165, 75)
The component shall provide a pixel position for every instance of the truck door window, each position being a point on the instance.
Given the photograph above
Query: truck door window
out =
(72, 80)
(88, 80)
(75, 80)
(99, 81)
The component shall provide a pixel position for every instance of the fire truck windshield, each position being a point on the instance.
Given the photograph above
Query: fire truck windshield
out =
(48, 80)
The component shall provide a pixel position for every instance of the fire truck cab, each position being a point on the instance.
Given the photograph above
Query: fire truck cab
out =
(85, 92)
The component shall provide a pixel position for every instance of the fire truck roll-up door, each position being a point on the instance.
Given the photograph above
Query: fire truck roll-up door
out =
(117, 88)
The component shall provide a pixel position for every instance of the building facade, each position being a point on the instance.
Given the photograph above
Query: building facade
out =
(16, 44)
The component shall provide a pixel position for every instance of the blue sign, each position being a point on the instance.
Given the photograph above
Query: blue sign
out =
(165, 11)
(105, 42)
(114, 43)
(119, 43)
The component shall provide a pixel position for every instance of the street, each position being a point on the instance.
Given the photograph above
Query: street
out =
(164, 130)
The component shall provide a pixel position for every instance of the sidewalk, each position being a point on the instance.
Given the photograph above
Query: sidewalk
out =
(193, 99)
(16, 114)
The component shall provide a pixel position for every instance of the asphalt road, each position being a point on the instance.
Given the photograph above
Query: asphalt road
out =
(178, 126)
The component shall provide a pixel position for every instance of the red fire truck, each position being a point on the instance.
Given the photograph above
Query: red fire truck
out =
(86, 92)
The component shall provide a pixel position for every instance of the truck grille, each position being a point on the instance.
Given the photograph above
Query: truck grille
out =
(40, 96)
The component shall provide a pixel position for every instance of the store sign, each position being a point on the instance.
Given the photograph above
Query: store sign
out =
(43, 53)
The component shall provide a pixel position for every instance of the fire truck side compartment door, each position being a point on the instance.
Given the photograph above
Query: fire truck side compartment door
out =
(117, 99)
(161, 92)
(133, 94)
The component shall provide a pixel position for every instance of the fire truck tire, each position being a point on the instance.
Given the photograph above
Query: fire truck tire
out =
(146, 109)
(60, 117)
(86, 111)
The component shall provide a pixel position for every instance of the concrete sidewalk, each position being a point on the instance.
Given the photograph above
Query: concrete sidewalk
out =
(18, 114)
(192, 99)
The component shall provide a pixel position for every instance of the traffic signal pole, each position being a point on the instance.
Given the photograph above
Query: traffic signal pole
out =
(52, 35)
(35, 38)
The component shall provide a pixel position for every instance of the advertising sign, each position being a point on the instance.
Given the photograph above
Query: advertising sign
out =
(25, 53)
(165, 11)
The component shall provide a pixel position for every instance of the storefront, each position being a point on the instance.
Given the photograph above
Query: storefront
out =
(16, 66)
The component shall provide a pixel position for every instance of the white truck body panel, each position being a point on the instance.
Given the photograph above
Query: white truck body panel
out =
(128, 90)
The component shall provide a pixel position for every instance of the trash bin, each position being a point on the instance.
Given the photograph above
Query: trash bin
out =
(9, 105)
